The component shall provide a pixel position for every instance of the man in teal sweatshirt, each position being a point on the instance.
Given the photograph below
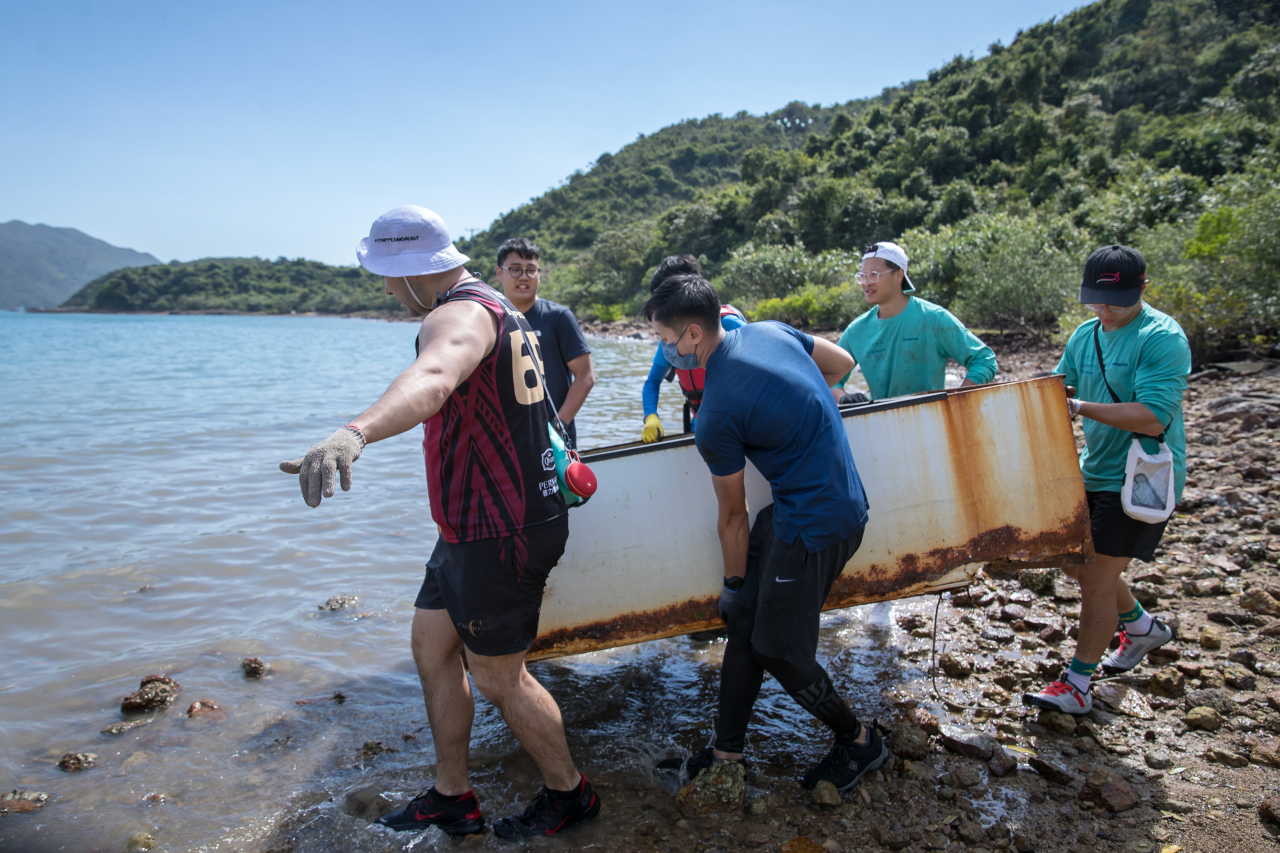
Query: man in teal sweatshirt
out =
(1130, 364)
(903, 342)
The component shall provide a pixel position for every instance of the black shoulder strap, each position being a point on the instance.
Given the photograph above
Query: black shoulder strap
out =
(1097, 347)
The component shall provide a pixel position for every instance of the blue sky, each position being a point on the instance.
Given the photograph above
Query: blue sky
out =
(227, 129)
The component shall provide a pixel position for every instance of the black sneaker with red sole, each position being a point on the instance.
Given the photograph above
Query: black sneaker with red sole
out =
(548, 814)
(454, 817)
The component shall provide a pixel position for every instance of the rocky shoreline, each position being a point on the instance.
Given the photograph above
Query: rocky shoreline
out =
(1180, 756)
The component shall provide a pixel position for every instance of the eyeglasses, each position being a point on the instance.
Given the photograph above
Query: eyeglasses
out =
(520, 272)
(871, 277)
(1102, 307)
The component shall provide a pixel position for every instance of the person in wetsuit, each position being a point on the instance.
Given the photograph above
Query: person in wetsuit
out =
(691, 379)
(766, 400)
(495, 497)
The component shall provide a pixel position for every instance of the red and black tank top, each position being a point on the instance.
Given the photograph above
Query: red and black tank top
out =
(490, 468)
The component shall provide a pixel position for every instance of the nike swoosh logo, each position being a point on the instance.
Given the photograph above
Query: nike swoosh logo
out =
(787, 580)
(417, 815)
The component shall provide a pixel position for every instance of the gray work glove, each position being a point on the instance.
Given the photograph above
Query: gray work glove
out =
(728, 595)
(316, 470)
(855, 397)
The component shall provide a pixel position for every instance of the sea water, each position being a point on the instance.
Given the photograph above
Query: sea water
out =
(146, 528)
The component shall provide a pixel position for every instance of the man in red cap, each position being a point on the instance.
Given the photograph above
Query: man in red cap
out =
(475, 387)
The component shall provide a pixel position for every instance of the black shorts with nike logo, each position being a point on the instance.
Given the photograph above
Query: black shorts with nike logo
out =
(492, 588)
(787, 586)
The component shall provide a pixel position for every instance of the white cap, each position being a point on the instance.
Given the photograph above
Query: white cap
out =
(895, 254)
(408, 240)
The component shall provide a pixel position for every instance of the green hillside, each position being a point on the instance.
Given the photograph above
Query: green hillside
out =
(237, 284)
(1147, 121)
(40, 266)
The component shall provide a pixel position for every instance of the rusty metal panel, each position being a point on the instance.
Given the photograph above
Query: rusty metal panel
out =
(954, 479)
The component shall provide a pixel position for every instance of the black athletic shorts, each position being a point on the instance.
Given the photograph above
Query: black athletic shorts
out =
(492, 588)
(1115, 534)
(786, 587)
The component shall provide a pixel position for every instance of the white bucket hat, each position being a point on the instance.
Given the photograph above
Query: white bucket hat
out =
(895, 254)
(408, 240)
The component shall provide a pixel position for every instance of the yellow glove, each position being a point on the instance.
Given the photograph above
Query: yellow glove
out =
(652, 430)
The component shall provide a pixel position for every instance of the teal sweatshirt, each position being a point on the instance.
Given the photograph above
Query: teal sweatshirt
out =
(1147, 361)
(908, 353)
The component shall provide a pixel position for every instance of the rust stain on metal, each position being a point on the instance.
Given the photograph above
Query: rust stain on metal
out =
(697, 614)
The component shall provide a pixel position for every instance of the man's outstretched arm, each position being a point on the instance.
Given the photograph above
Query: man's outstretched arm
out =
(454, 339)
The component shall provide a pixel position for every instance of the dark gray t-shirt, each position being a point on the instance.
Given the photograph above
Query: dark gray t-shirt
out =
(561, 341)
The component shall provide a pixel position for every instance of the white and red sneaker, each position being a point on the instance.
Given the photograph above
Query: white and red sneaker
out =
(1060, 696)
(1134, 647)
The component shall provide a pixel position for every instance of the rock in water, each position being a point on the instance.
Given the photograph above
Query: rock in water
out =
(1213, 698)
(1108, 790)
(1056, 721)
(909, 741)
(889, 838)
(968, 743)
(825, 794)
(1203, 718)
(1168, 682)
(929, 722)
(955, 665)
(254, 667)
(1002, 763)
(203, 707)
(21, 802)
(720, 788)
(1054, 773)
(339, 602)
(121, 728)
(155, 691)
(1124, 699)
(141, 841)
(73, 762)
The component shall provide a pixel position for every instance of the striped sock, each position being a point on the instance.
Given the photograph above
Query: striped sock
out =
(1080, 674)
(1137, 621)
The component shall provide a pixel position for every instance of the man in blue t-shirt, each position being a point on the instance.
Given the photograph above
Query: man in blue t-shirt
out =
(691, 381)
(766, 400)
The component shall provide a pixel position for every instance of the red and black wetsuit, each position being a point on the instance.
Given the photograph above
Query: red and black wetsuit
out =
(490, 469)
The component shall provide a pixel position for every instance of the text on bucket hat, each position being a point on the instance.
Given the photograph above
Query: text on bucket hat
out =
(408, 240)
(894, 254)
(1113, 275)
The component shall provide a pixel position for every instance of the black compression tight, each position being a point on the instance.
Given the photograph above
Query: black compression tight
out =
(743, 672)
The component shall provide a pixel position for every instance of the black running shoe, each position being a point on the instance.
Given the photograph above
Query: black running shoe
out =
(845, 765)
(706, 759)
(548, 814)
(454, 817)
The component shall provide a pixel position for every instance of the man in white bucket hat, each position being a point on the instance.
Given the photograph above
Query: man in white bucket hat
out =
(502, 521)
(903, 342)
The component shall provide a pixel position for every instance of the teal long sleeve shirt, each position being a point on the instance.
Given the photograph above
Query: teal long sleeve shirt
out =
(908, 353)
(1147, 362)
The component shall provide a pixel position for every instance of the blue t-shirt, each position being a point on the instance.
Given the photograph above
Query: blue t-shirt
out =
(766, 400)
(561, 340)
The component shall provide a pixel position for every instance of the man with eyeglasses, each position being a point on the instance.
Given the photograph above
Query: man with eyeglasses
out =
(903, 342)
(566, 358)
(1142, 354)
